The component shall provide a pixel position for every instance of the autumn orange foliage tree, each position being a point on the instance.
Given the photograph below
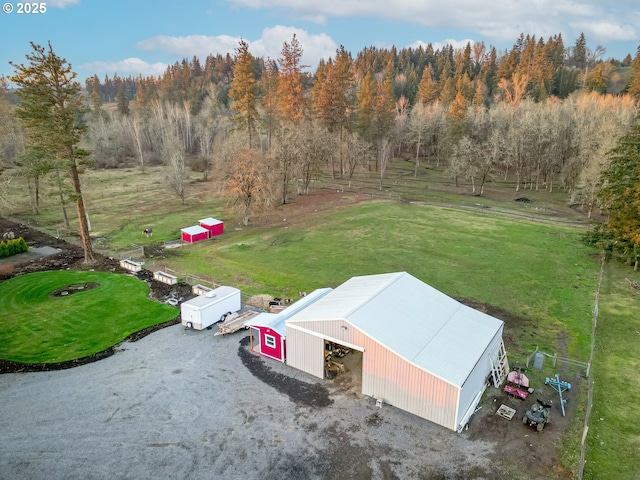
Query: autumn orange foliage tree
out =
(291, 93)
(243, 90)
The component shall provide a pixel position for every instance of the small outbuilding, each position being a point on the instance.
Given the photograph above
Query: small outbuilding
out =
(268, 335)
(215, 226)
(194, 234)
(422, 351)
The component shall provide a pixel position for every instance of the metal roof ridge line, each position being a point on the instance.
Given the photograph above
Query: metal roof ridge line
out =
(396, 276)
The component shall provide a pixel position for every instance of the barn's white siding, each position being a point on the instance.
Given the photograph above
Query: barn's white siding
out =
(388, 376)
(477, 379)
(305, 351)
(423, 351)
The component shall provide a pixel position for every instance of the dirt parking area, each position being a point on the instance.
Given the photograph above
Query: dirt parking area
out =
(187, 404)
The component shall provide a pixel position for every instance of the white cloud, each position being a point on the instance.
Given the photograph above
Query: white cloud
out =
(314, 46)
(124, 68)
(188, 46)
(496, 20)
(61, 3)
(269, 44)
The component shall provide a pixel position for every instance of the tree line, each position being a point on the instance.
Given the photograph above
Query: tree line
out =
(551, 69)
(259, 129)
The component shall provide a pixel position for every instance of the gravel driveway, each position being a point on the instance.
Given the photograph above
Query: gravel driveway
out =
(183, 404)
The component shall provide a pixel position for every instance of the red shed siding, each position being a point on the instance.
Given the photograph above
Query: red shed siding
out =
(277, 352)
(189, 238)
(216, 229)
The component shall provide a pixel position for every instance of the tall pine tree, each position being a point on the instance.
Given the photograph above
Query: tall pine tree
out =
(291, 94)
(50, 111)
(620, 194)
(243, 91)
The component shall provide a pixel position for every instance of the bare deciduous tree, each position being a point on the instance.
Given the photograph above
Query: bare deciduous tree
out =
(247, 181)
(176, 166)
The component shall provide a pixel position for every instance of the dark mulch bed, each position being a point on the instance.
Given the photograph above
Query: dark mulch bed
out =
(302, 393)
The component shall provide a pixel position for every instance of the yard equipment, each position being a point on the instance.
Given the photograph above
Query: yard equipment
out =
(517, 384)
(560, 387)
(538, 415)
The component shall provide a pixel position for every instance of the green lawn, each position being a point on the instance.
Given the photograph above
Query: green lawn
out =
(36, 328)
(613, 443)
(536, 271)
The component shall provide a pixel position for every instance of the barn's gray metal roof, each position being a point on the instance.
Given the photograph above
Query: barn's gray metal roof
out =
(414, 320)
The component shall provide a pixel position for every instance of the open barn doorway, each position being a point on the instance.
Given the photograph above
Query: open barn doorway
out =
(343, 365)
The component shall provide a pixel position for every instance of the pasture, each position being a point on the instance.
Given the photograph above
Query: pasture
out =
(524, 258)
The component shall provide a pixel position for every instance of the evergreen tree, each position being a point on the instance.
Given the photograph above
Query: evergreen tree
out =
(23, 245)
(291, 95)
(579, 57)
(269, 100)
(50, 110)
(366, 106)
(122, 101)
(428, 91)
(633, 86)
(333, 101)
(96, 100)
(621, 193)
(243, 91)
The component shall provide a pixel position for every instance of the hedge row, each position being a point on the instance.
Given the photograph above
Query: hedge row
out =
(13, 247)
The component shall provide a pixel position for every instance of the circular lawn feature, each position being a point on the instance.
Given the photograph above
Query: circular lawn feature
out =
(36, 327)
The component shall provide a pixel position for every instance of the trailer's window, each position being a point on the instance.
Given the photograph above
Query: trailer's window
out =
(270, 341)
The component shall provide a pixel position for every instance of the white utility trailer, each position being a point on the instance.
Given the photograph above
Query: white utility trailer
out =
(212, 307)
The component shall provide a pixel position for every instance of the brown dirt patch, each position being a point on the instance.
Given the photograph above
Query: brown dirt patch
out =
(74, 288)
(517, 443)
(300, 207)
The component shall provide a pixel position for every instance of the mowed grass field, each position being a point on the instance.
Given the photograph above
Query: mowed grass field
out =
(536, 271)
(540, 271)
(38, 328)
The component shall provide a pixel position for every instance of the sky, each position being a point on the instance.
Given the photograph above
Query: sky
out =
(107, 37)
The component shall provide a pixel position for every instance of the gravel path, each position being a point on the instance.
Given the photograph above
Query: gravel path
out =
(183, 404)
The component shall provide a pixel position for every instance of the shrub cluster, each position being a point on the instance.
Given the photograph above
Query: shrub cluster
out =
(13, 247)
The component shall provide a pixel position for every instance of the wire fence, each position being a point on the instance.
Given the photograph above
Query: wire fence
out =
(590, 383)
(557, 360)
